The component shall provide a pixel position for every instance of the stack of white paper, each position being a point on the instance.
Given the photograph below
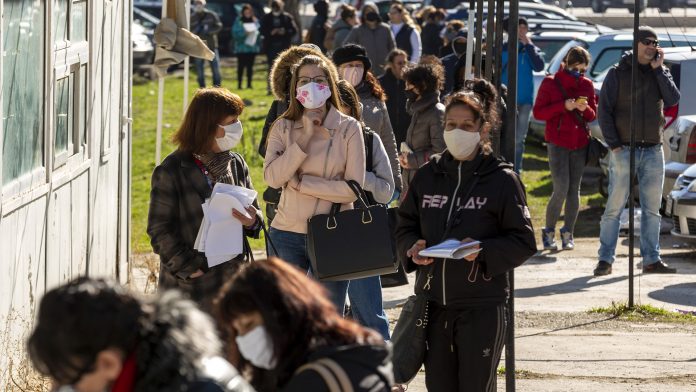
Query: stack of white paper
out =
(252, 33)
(220, 236)
(451, 249)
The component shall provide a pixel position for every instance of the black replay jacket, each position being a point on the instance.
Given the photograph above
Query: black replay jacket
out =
(494, 213)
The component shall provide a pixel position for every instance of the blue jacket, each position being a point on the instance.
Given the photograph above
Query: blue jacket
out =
(239, 34)
(529, 59)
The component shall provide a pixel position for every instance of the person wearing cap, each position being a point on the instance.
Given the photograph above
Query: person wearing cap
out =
(656, 92)
(206, 24)
(529, 60)
(373, 35)
(355, 67)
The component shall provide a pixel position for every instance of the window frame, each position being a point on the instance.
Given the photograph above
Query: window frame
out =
(33, 182)
(68, 61)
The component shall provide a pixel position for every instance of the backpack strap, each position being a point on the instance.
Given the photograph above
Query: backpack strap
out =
(331, 372)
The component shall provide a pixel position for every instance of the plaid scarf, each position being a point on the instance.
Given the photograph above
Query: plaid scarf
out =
(219, 166)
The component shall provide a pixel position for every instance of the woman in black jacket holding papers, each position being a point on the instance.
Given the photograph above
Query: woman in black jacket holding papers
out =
(485, 201)
(183, 182)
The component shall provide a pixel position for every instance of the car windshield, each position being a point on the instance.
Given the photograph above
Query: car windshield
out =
(549, 47)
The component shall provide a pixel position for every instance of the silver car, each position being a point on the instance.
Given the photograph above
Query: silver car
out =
(681, 204)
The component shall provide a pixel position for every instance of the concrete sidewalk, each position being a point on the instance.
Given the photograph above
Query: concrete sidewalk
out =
(560, 347)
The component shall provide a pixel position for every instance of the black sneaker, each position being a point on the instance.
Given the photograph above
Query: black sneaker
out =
(602, 268)
(659, 268)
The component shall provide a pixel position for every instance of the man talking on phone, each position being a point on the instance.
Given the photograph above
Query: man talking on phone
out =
(655, 91)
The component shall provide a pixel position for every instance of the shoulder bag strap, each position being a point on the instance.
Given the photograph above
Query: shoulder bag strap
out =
(328, 377)
(565, 96)
(368, 137)
(339, 373)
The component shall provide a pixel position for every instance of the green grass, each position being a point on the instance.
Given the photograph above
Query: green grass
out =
(643, 313)
(536, 175)
(144, 130)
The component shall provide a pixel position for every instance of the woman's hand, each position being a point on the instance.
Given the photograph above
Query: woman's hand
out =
(403, 160)
(247, 220)
(472, 256)
(582, 106)
(413, 253)
(570, 104)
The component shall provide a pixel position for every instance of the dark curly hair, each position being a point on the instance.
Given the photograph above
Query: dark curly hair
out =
(427, 78)
(86, 316)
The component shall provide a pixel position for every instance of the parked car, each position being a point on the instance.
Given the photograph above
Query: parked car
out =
(540, 17)
(681, 204)
(143, 49)
(663, 5)
(227, 10)
(680, 127)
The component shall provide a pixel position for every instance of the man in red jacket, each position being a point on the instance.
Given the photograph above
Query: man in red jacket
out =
(567, 102)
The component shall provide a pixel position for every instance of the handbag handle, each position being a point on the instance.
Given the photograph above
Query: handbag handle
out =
(331, 222)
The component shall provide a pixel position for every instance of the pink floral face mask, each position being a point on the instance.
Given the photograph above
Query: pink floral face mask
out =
(313, 95)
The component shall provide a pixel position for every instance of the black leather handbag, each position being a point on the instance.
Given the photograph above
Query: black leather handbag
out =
(351, 244)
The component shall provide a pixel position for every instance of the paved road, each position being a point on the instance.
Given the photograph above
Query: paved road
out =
(560, 347)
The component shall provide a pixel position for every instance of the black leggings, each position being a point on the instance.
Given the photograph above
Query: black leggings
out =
(245, 61)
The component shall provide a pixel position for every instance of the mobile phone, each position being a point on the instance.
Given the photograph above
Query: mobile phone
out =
(581, 100)
(657, 56)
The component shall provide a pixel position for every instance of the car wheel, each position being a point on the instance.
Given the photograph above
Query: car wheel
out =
(598, 6)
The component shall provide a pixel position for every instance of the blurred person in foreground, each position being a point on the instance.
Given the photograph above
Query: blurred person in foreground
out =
(288, 332)
(92, 335)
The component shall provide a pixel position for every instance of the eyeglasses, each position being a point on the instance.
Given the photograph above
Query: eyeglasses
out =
(648, 42)
(303, 80)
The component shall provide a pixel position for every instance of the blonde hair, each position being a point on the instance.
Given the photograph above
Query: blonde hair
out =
(295, 109)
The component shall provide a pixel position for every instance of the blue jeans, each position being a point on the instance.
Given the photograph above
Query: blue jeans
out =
(214, 66)
(292, 247)
(366, 304)
(523, 113)
(650, 171)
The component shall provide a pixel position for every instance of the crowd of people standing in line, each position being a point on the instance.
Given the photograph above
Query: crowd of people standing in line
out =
(431, 150)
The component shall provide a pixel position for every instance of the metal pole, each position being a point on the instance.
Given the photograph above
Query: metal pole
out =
(499, 16)
(511, 129)
(632, 169)
(469, 41)
(160, 106)
(187, 9)
(490, 36)
(479, 36)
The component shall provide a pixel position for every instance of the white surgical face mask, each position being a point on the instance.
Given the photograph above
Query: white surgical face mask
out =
(353, 75)
(198, 7)
(460, 143)
(233, 134)
(312, 95)
(256, 346)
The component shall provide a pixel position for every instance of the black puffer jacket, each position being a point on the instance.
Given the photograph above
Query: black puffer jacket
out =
(494, 213)
(368, 367)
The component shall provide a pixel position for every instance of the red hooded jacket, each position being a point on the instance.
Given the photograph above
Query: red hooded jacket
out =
(563, 128)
